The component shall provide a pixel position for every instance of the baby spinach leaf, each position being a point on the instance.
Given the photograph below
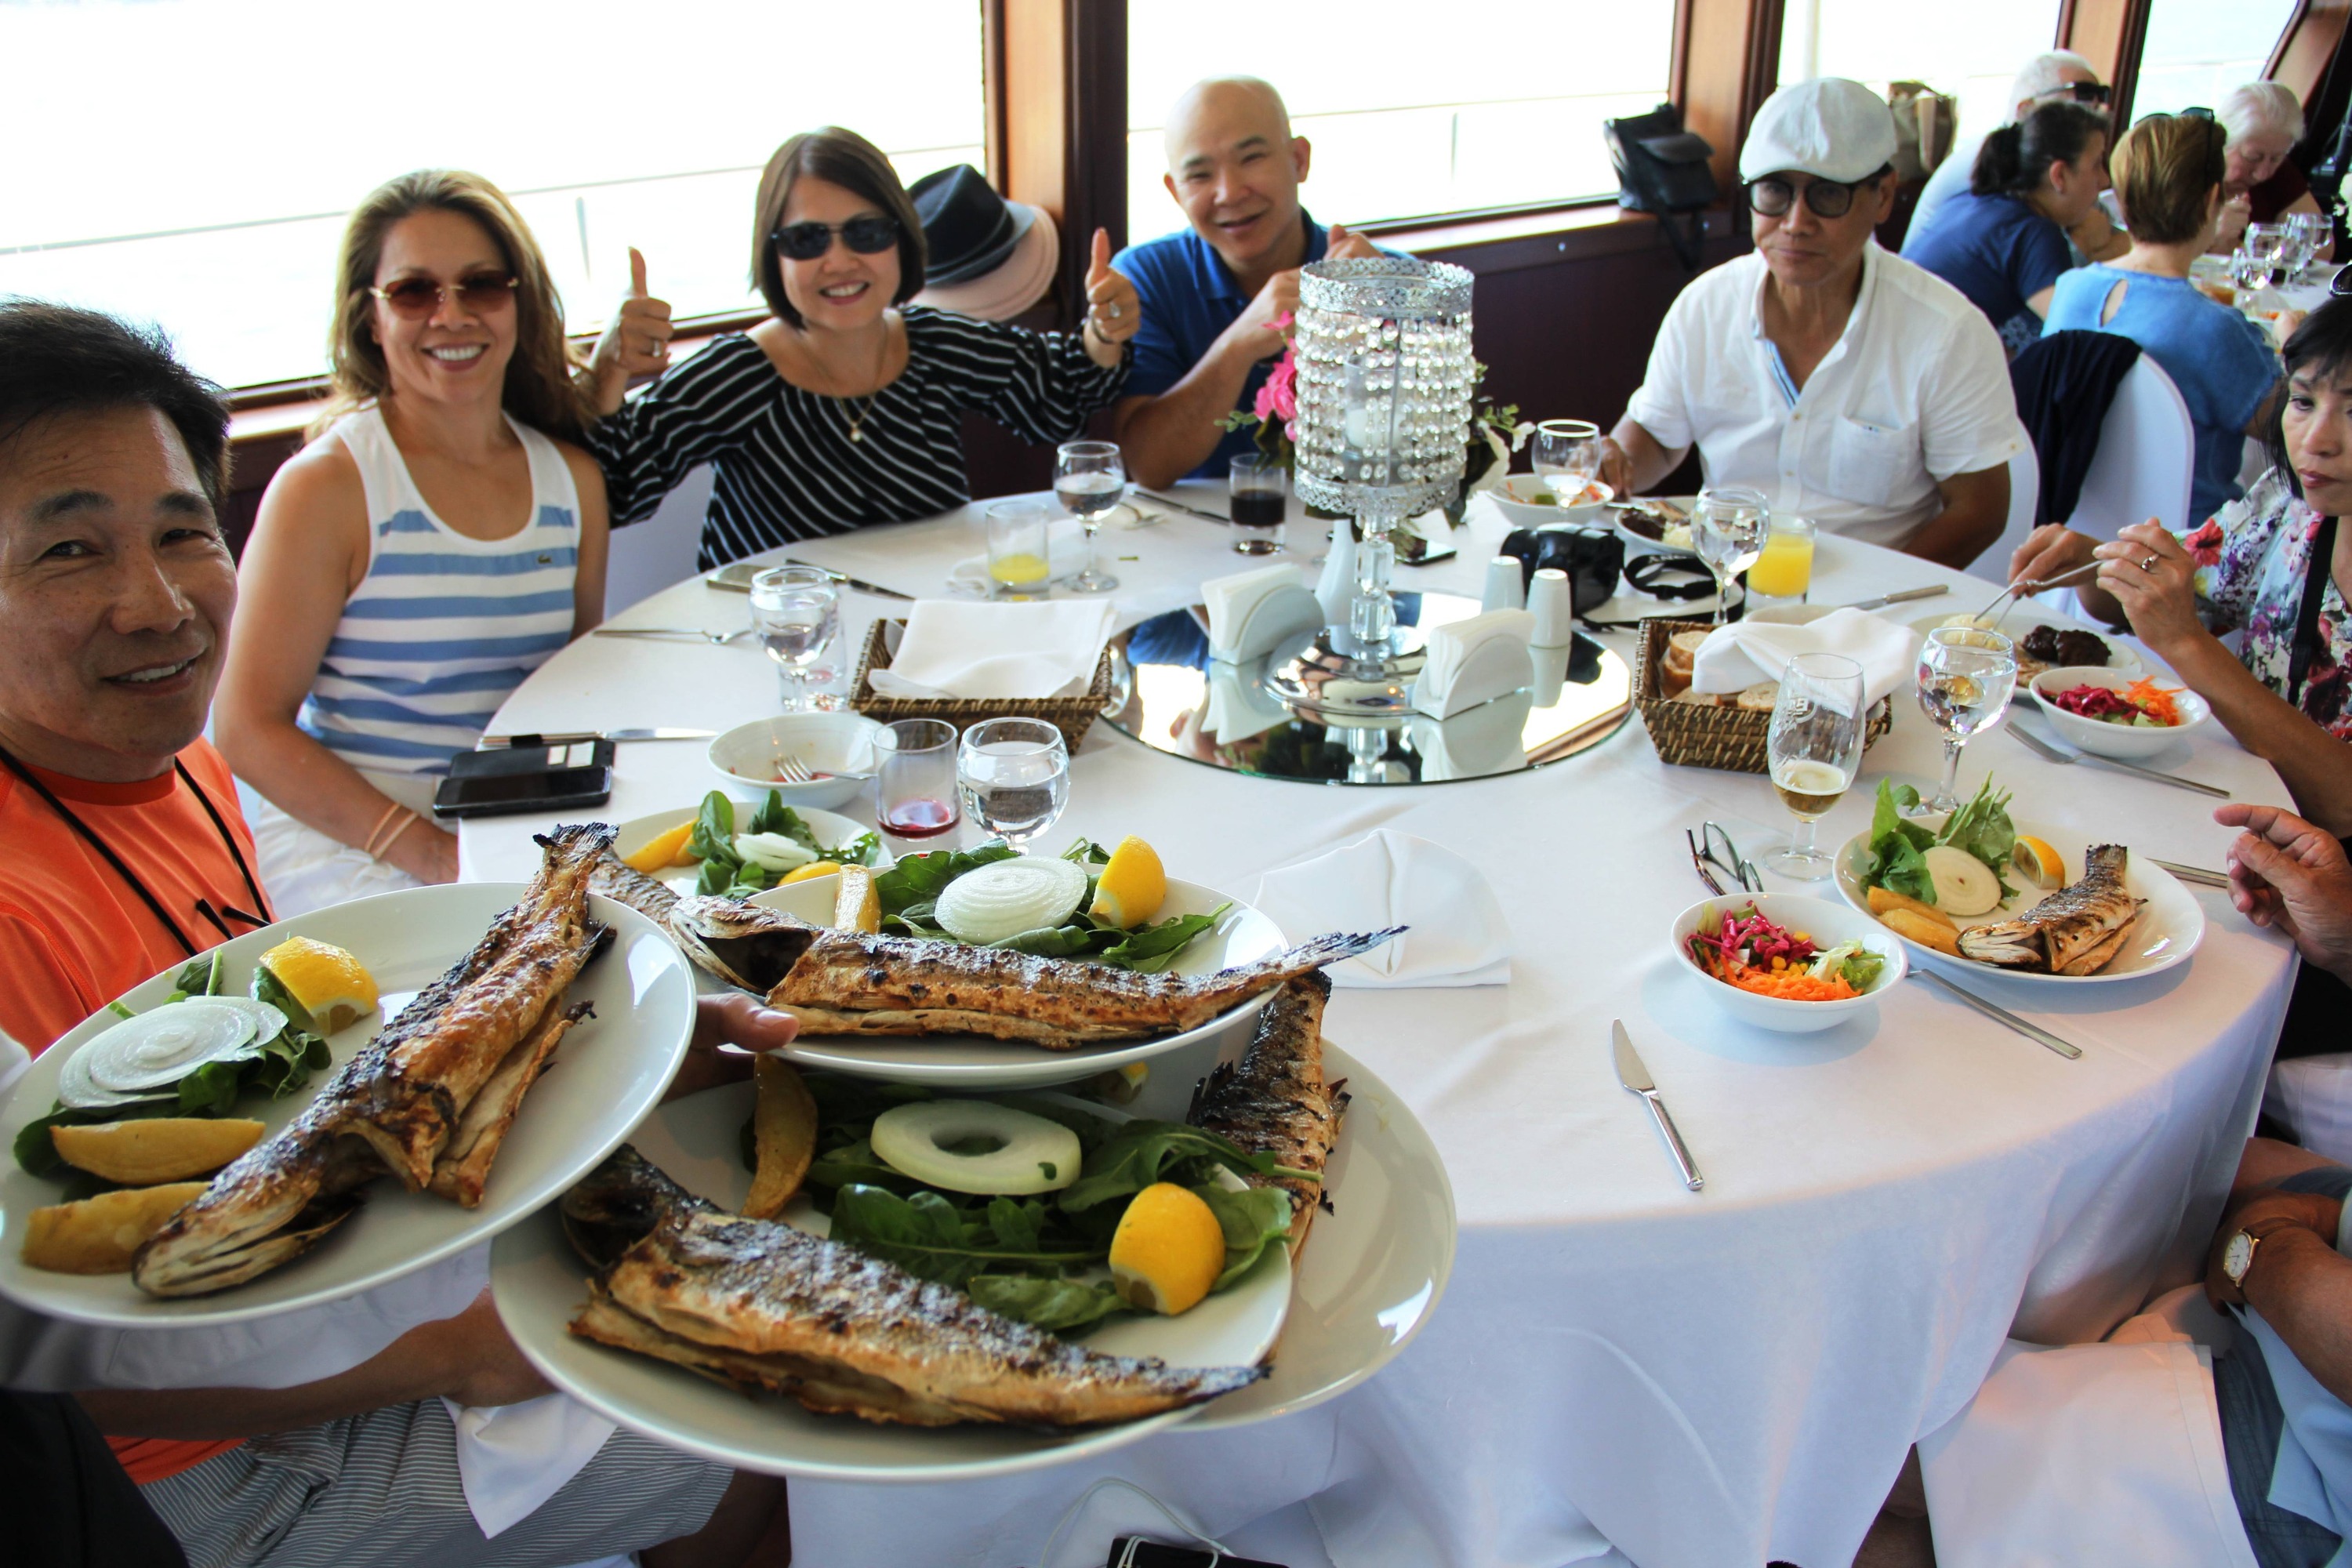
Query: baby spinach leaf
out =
(1252, 1220)
(1153, 948)
(1138, 1154)
(1056, 1306)
(713, 837)
(926, 1235)
(920, 878)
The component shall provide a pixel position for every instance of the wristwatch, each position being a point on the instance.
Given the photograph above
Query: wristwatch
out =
(2237, 1252)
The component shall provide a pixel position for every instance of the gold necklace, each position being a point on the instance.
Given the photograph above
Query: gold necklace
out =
(856, 414)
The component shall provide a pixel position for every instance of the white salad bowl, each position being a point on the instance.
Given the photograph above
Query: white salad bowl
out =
(2097, 735)
(837, 746)
(1827, 924)
(1515, 497)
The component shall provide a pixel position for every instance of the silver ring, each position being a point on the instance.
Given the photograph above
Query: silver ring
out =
(2147, 562)
(1113, 311)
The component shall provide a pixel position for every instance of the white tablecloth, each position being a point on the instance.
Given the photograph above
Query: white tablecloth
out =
(1725, 1377)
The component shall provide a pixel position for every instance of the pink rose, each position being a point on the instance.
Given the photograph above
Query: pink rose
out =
(1278, 398)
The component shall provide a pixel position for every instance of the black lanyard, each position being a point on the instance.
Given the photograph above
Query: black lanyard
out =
(131, 879)
(2305, 648)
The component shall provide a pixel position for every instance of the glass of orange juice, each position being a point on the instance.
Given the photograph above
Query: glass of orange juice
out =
(1784, 570)
(1017, 558)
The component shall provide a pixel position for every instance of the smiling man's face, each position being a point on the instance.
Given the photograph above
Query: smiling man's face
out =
(116, 592)
(1234, 168)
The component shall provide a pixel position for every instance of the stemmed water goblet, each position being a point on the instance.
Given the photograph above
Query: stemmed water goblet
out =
(1813, 749)
(1088, 481)
(1014, 775)
(796, 611)
(1728, 526)
(1967, 676)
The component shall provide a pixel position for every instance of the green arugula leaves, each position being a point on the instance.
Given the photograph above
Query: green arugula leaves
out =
(725, 874)
(910, 895)
(1898, 845)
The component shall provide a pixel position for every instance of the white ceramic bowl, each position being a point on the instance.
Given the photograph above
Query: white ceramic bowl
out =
(1516, 499)
(2097, 735)
(1829, 925)
(839, 745)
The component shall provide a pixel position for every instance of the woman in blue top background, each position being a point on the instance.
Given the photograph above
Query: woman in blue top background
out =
(2169, 171)
(2004, 243)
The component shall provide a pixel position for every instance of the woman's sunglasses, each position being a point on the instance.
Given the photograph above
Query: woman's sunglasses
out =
(417, 298)
(867, 234)
(1773, 197)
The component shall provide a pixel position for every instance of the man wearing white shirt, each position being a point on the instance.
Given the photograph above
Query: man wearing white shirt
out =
(1847, 384)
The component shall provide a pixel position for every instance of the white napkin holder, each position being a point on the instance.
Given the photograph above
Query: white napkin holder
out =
(1238, 705)
(1487, 739)
(1279, 608)
(1495, 667)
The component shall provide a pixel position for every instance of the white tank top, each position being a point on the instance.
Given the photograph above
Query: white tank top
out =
(443, 627)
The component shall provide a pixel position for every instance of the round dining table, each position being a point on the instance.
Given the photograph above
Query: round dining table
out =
(1620, 1369)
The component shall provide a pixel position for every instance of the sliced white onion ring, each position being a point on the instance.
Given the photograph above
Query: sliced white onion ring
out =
(160, 1048)
(1032, 1154)
(1006, 898)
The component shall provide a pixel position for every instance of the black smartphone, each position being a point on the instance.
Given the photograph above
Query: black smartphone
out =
(1134, 1551)
(505, 781)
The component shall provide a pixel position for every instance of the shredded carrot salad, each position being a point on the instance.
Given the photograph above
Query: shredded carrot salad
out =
(2154, 700)
(1791, 985)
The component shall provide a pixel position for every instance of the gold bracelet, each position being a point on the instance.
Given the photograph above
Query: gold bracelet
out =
(389, 813)
(410, 821)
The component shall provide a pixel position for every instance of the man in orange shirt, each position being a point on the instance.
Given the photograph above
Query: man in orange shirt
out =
(126, 855)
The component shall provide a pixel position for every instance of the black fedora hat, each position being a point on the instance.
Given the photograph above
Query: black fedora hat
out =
(967, 229)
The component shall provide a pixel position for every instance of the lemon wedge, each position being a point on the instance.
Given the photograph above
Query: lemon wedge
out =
(662, 850)
(1168, 1250)
(813, 868)
(1132, 885)
(328, 985)
(2037, 862)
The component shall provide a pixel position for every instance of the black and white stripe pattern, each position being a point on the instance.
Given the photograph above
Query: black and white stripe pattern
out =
(786, 467)
(381, 1491)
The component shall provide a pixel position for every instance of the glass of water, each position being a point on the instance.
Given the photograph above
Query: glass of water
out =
(796, 612)
(1814, 749)
(1014, 775)
(1967, 676)
(1088, 481)
(1566, 456)
(1728, 527)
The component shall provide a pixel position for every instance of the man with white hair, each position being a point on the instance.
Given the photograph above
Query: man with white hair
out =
(2055, 74)
(1213, 293)
(2263, 186)
(1847, 384)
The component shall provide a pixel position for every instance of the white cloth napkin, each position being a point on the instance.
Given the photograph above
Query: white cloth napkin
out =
(1748, 652)
(512, 1458)
(1458, 937)
(1229, 601)
(956, 648)
(1450, 649)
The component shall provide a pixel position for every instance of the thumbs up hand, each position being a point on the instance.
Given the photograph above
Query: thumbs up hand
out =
(636, 341)
(1114, 310)
(1344, 245)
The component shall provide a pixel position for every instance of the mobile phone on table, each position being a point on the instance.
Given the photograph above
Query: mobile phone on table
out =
(506, 781)
(1134, 1551)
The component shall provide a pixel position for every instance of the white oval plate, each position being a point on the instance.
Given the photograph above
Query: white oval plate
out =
(2172, 924)
(2023, 617)
(609, 1071)
(538, 1283)
(971, 1064)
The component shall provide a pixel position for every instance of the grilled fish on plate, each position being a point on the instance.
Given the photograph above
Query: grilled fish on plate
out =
(2078, 930)
(428, 1101)
(1276, 1101)
(760, 1305)
(851, 983)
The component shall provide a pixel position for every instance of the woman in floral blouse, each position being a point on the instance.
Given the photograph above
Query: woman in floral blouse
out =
(2245, 570)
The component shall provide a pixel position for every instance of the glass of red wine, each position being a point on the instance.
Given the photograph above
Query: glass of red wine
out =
(1259, 503)
(915, 787)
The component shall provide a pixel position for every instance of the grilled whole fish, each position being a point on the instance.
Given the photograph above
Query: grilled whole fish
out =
(1275, 1100)
(758, 1304)
(401, 1105)
(851, 983)
(625, 884)
(2078, 930)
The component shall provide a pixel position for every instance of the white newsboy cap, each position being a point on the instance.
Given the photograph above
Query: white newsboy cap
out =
(1830, 128)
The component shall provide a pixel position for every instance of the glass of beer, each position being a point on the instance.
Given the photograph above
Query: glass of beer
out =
(1259, 503)
(1814, 749)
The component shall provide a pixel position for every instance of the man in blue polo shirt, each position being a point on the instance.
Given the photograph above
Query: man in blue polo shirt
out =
(1212, 293)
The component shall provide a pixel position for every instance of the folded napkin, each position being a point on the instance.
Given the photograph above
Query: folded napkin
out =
(956, 648)
(1458, 935)
(1231, 600)
(1750, 653)
(512, 1458)
(1468, 661)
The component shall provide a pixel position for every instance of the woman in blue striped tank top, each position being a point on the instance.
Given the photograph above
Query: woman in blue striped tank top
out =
(438, 541)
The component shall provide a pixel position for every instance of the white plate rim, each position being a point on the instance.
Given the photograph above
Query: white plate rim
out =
(513, 1294)
(2120, 657)
(2141, 870)
(36, 1087)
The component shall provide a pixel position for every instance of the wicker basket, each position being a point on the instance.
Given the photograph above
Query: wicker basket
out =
(1692, 736)
(1071, 715)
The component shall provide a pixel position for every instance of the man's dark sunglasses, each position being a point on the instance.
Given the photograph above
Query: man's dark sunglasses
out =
(1773, 197)
(2081, 92)
(868, 235)
(2194, 111)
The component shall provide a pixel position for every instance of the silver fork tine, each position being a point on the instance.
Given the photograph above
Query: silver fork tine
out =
(794, 770)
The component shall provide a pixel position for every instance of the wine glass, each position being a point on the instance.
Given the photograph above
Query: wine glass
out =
(2266, 244)
(1965, 678)
(1728, 526)
(1088, 481)
(2307, 232)
(1014, 775)
(915, 784)
(1567, 454)
(1814, 748)
(796, 611)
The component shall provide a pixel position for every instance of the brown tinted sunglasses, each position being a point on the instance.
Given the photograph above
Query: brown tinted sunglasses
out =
(419, 296)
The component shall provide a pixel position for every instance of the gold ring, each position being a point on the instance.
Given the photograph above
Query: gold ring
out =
(2147, 562)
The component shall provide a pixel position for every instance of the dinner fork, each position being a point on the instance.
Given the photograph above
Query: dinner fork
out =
(2016, 590)
(789, 769)
(716, 639)
(2049, 754)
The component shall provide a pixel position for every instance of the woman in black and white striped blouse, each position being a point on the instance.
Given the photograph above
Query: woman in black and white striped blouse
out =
(841, 410)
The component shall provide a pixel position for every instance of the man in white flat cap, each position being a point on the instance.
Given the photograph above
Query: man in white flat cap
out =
(1847, 384)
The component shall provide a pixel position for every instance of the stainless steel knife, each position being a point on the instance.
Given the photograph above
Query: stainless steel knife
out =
(846, 581)
(531, 739)
(1180, 506)
(1884, 600)
(1636, 1077)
